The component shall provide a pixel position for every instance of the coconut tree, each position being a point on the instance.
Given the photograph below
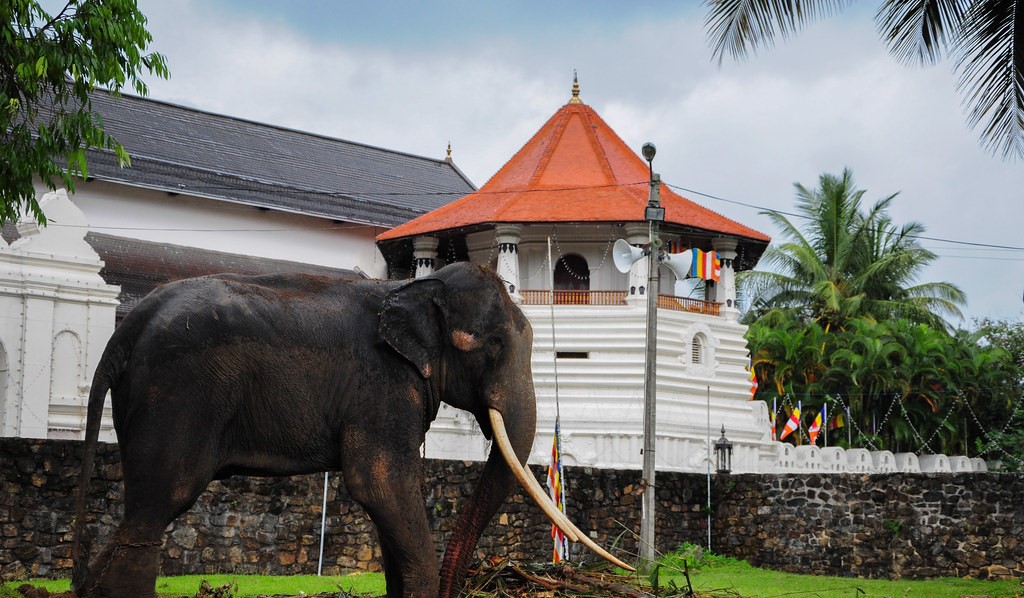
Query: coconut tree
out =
(845, 262)
(983, 38)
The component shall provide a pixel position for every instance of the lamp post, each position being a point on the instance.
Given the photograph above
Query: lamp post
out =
(723, 454)
(654, 214)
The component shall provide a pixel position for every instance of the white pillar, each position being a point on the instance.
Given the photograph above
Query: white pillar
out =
(507, 236)
(36, 351)
(638, 234)
(424, 253)
(725, 288)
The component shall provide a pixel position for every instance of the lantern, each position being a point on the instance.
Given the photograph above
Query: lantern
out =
(723, 454)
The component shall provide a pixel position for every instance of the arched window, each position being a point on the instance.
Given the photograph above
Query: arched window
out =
(67, 366)
(572, 277)
(697, 354)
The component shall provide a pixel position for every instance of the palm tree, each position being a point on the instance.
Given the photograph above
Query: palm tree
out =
(984, 38)
(846, 263)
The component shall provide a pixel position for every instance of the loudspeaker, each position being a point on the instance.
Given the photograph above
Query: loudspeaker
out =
(625, 255)
(679, 263)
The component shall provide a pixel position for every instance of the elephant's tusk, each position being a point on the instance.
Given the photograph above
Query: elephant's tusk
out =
(536, 492)
(526, 479)
(585, 540)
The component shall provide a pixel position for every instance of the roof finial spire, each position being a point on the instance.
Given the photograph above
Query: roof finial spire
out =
(448, 158)
(575, 89)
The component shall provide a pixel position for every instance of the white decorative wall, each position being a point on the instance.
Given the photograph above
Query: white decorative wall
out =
(57, 314)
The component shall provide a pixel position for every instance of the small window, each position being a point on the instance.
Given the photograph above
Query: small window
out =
(697, 349)
(572, 355)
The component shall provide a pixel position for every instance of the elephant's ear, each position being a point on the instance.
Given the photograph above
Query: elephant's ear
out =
(412, 323)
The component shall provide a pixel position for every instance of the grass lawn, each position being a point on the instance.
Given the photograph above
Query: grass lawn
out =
(711, 575)
(724, 576)
(371, 584)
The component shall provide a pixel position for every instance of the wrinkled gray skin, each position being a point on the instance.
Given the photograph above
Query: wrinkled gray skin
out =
(282, 375)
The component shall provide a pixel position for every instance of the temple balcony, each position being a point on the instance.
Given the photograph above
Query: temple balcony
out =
(573, 297)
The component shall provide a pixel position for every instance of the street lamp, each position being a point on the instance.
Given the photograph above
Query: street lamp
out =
(654, 214)
(723, 454)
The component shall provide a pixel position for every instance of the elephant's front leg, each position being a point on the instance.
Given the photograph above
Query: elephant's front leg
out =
(388, 485)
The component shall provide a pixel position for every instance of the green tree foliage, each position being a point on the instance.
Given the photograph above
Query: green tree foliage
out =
(983, 38)
(907, 386)
(49, 64)
(845, 262)
(1005, 437)
(838, 317)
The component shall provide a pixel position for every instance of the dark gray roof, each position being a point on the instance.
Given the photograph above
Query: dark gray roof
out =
(188, 151)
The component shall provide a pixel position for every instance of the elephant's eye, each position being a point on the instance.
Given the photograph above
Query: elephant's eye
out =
(494, 347)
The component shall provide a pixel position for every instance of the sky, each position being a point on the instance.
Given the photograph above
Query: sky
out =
(735, 137)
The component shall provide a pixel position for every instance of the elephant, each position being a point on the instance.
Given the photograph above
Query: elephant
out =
(287, 374)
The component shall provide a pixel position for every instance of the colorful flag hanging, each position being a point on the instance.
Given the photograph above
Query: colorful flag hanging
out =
(816, 424)
(771, 418)
(555, 486)
(706, 265)
(793, 424)
(837, 422)
(753, 380)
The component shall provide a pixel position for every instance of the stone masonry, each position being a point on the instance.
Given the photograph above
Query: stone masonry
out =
(881, 525)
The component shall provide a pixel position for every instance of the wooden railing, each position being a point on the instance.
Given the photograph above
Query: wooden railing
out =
(574, 297)
(691, 305)
(617, 298)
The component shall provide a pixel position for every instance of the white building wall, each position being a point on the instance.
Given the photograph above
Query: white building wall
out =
(600, 398)
(233, 228)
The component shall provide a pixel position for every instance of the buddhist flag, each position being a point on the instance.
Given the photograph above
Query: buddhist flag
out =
(837, 422)
(816, 425)
(771, 418)
(793, 424)
(561, 543)
(753, 380)
(706, 265)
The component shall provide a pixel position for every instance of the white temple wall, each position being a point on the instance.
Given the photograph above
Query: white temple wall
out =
(219, 225)
(601, 395)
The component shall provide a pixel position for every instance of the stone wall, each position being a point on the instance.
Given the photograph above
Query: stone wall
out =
(877, 525)
(912, 525)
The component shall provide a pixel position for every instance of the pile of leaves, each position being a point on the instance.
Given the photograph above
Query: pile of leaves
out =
(503, 578)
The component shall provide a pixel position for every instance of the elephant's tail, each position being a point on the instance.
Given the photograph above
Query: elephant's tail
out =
(107, 372)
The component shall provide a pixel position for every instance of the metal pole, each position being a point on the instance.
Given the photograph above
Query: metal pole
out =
(709, 469)
(647, 521)
(323, 527)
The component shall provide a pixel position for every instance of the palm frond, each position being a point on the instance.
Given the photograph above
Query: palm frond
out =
(991, 73)
(918, 31)
(742, 26)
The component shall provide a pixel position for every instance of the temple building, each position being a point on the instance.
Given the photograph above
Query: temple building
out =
(205, 193)
(547, 222)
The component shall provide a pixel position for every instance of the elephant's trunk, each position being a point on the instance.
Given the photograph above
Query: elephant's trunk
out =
(494, 485)
(503, 466)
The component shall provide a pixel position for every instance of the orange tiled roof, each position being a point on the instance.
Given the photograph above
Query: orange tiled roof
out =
(574, 169)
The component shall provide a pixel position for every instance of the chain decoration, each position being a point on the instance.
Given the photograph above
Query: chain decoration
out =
(604, 255)
(925, 444)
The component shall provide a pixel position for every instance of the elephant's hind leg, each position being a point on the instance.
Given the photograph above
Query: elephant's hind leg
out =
(154, 495)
